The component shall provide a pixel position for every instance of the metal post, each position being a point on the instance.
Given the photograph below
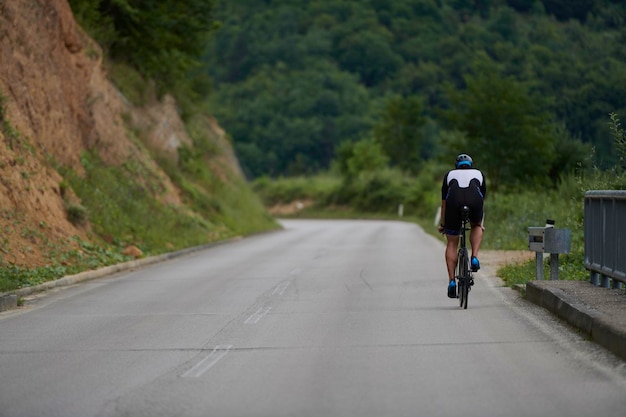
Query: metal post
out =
(554, 266)
(594, 277)
(539, 265)
(605, 282)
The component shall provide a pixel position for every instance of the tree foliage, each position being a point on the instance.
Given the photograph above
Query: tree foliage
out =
(289, 121)
(364, 156)
(399, 132)
(506, 128)
(293, 80)
(164, 39)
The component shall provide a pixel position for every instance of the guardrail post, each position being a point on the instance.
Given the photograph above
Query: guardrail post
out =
(539, 266)
(549, 240)
(554, 266)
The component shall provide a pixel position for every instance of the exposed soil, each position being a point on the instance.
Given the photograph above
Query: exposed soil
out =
(287, 209)
(55, 103)
(496, 259)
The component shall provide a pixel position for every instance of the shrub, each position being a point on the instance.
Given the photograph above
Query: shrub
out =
(76, 214)
(619, 136)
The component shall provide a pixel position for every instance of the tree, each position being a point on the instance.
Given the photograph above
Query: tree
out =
(163, 39)
(521, 5)
(411, 48)
(569, 9)
(399, 132)
(369, 55)
(286, 113)
(509, 135)
(472, 6)
(364, 156)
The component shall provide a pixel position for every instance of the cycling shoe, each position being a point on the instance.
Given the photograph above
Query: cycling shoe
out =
(475, 264)
(452, 289)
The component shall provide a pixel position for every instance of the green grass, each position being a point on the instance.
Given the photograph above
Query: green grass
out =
(88, 256)
(120, 202)
(286, 190)
(570, 268)
(211, 188)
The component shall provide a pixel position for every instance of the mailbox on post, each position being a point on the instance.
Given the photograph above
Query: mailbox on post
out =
(549, 240)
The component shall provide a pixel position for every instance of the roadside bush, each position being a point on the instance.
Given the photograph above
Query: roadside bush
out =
(76, 214)
(424, 196)
(370, 192)
(378, 192)
(288, 189)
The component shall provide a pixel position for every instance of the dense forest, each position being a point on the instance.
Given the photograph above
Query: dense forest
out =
(525, 85)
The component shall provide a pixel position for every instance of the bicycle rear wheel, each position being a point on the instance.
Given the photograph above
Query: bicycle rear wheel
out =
(465, 291)
(463, 277)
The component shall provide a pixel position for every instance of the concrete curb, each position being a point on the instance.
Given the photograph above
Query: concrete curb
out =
(9, 300)
(591, 322)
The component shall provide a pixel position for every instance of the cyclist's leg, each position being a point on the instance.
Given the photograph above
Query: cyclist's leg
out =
(452, 254)
(476, 238)
(452, 257)
(477, 218)
(452, 223)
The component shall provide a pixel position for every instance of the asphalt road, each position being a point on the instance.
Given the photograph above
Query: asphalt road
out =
(325, 318)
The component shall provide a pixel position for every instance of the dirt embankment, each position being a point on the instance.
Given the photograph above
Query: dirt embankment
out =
(55, 103)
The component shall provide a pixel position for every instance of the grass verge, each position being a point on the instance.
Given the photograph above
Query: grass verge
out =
(87, 256)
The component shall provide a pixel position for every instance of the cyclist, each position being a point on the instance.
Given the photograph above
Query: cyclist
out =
(461, 186)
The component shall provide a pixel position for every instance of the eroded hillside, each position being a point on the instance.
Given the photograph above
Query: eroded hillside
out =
(57, 105)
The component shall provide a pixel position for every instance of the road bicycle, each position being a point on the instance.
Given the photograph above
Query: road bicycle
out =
(463, 268)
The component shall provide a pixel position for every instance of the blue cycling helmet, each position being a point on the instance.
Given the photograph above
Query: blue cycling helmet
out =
(463, 160)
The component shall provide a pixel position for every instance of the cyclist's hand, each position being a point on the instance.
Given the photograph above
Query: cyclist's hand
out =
(441, 229)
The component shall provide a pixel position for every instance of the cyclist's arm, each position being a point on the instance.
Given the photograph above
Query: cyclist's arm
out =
(483, 186)
(443, 216)
(444, 193)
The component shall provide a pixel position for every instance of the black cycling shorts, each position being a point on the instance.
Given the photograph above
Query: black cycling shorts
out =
(454, 202)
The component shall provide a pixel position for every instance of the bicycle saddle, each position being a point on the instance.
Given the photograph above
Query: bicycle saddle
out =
(465, 212)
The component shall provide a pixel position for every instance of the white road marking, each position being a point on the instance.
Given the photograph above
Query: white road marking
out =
(205, 364)
(280, 289)
(258, 315)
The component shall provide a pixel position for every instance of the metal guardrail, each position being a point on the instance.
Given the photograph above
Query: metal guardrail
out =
(605, 237)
